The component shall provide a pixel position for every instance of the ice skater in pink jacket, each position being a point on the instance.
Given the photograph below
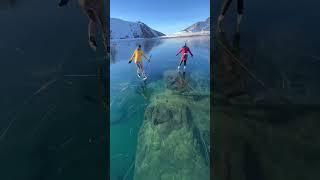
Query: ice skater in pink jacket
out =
(184, 51)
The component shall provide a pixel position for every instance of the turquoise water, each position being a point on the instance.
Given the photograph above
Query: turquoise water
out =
(130, 96)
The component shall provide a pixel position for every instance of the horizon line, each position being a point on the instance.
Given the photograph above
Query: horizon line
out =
(122, 19)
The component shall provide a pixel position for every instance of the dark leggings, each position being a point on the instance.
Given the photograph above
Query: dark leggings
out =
(227, 3)
(185, 63)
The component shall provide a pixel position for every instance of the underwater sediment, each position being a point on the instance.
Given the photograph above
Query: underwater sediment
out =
(173, 141)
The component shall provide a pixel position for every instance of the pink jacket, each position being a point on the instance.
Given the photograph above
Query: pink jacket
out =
(184, 51)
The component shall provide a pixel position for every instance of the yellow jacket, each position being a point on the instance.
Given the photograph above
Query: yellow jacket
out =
(137, 56)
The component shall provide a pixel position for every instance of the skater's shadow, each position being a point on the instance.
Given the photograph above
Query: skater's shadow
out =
(182, 81)
(142, 90)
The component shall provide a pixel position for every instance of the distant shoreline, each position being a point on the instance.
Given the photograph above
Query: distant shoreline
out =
(161, 37)
(182, 36)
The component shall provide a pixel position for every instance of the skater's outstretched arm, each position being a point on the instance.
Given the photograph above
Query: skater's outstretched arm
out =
(179, 52)
(133, 55)
(190, 52)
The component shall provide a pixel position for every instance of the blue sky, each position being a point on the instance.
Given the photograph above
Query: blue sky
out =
(167, 16)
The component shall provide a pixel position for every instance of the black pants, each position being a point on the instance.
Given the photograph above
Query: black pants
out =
(185, 63)
(227, 3)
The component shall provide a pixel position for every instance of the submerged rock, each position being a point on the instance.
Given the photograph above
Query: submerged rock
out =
(187, 83)
(176, 81)
(173, 141)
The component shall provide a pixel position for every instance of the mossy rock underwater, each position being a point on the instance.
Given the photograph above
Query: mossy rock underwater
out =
(170, 144)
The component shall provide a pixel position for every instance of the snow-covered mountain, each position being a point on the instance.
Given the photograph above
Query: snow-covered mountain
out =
(199, 27)
(121, 29)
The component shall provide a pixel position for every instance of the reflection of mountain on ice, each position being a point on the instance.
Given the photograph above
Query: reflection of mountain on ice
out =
(121, 29)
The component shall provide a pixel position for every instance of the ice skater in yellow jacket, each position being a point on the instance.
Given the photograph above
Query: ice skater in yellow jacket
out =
(137, 57)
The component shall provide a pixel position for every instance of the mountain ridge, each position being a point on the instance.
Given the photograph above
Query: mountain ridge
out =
(122, 29)
(198, 26)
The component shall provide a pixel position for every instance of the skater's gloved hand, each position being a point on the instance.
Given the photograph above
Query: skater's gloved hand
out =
(129, 61)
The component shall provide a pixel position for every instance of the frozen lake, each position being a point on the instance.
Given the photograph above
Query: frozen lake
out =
(131, 97)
